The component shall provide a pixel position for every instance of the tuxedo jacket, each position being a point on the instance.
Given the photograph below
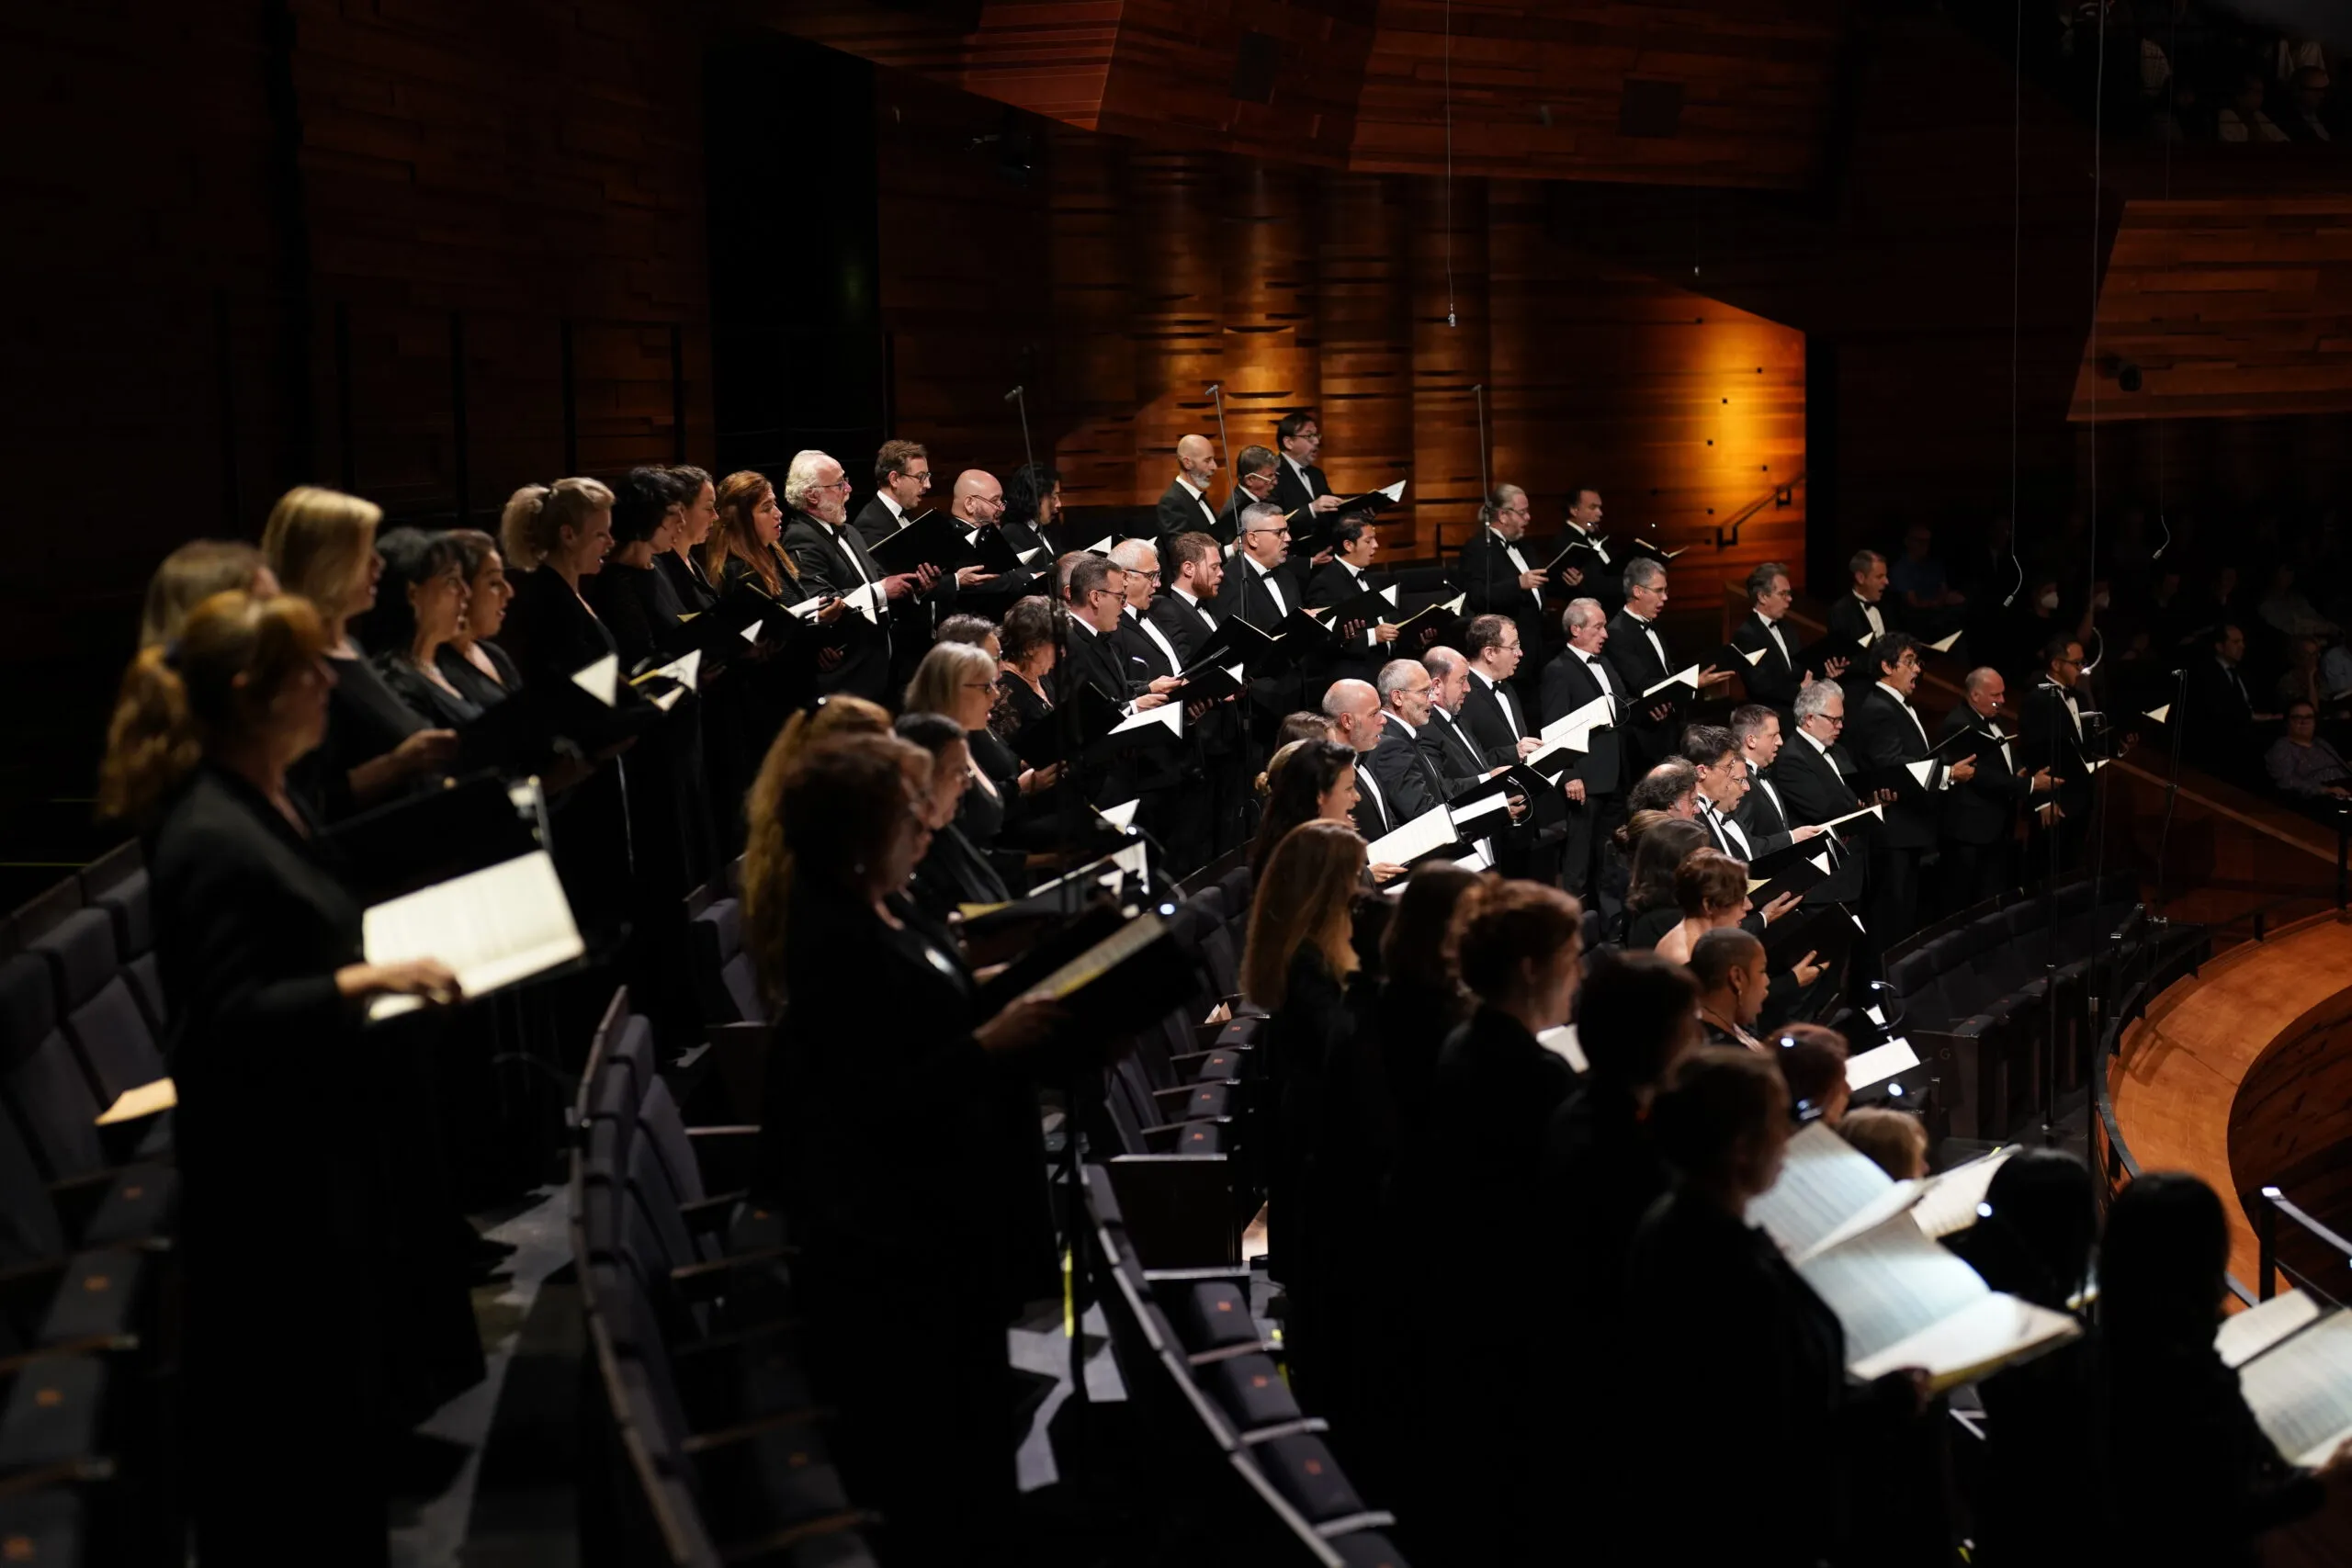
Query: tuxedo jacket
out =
(1093, 658)
(1721, 838)
(875, 521)
(1411, 782)
(1774, 679)
(1359, 657)
(1639, 667)
(1984, 809)
(1182, 513)
(1882, 734)
(1569, 683)
(1486, 714)
(1377, 812)
(836, 562)
(2046, 735)
(1243, 593)
(1763, 816)
(1604, 582)
(1447, 743)
(1846, 619)
(1292, 496)
(1144, 660)
(1489, 585)
(1189, 627)
(995, 596)
(1813, 788)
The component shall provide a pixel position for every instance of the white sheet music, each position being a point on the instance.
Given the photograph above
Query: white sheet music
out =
(601, 679)
(1122, 816)
(1477, 809)
(1562, 1043)
(1877, 1065)
(1680, 677)
(491, 927)
(1753, 658)
(1827, 1190)
(1889, 1283)
(687, 671)
(1170, 716)
(868, 600)
(2301, 1389)
(1571, 728)
(2246, 1334)
(1431, 830)
(1977, 1340)
(1949, 1204)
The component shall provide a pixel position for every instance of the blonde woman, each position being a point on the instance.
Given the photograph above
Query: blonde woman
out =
(321, 544)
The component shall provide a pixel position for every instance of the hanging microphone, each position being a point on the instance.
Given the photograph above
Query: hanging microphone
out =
(1013, 394)
(1211, 390)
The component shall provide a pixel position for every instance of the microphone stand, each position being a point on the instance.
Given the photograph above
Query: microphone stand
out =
(2051, 843)
(1215, 389)
(1070, 809)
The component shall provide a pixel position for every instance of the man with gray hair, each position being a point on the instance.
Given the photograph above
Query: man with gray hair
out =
(1357, 720)
(1772, 671)
(1980, 817)
(832, 559)
(1262, 588)
(1253, 480)
(1811, 775)
(1184, 504)
(1496, 579)
(1595, 784)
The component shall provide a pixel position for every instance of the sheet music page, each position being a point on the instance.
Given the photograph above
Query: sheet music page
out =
(1562, 1043)
(1571, 728)
(1949, 1203)
(1680, 677)
(2300, 1391)
(1973, 1342)
(1878, 1064)
(1104, 956)
(491, 927)
(1478, 808)
(1889, 1283)
(1753, 658)
(2246, 1334)
(1169, 716)
(601, 679)
(1431, 830)
(1825, 1183)
(1122, 816)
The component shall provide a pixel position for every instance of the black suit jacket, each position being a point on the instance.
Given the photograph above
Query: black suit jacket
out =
(1189, 627)
(1243, 595)
(1568, 684)
(1093, 658)
(1637, 665)
(1376, 815)
(1179, 512)
(1772, 679)
(828, 561)
(1488, 720)
(1410, 780)
(2046, 735)
(1448, 744)
(1760, 815)
(1145, 660)
(1812, 787)
(1606, 583)
(875, 521)
(1292, 496)
(1982, 810)
(1349, 657)
(995, 596)
(1883, 736)
(1847, 620)
(1489, 585)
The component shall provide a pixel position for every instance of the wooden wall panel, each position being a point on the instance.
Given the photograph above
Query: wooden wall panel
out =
(1173, 75)
(1449, 332)
(1175, 247)
(1273, 339)
(2228, 306)
(1367, 361)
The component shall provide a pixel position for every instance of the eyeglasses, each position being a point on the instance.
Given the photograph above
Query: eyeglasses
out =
(842, 484)
(1283, 533)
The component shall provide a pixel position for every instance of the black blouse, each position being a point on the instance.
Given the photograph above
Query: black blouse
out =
(687, 584)
(549, 630)
(478, 688)
(422, 694)
(638, 606)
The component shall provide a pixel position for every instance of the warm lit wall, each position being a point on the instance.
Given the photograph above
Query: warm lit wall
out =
(1114, 282)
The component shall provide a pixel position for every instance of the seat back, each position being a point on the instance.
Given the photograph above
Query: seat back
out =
(39, 1074)
(726, 981)
(102, 1018)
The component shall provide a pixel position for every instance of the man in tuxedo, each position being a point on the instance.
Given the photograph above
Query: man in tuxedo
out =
(1639, 652)
(1357, 721)
(1980, 818)
(1857, 615)
(1360, 646)
(1813, 773)
(1177, 809)
(1494, 573)
(1443, 739)
(1763, 816)
(1595, 787)
(979, 503)
(1888, 732)
(1491, 711)
(2220, 723)
(1098, 602)
(1253, 482)
(1723, 784)
(2055, 741)
(832, 559)
(1300, 489)
(1598, 576)
(1184, 504)
(1776, 678)
(1262, 587)
(901, 479)
(1408, 779)
(1186, 617)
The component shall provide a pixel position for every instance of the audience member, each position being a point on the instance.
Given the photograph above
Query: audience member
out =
(2302, 765)
(1728, 966)
(1896, 1141)
(1812, 1060)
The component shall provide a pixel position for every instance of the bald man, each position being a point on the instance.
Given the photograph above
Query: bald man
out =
(1184, 505)
(978, 504)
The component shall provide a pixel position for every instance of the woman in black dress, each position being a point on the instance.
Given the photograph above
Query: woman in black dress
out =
(957, 680)
(278, 1139)
(472, 660)
(633, 597)
(953, 872)
(322, 546)
(1032, 826)
(892, 1140)
(416, 614)
(1651, 908)
(1296, 964)
(1733, 1343)
(697, 502)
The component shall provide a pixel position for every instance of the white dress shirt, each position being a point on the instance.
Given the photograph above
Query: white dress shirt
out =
(1756, 780)
(1599, 673)
(1650, 631)
(1159, 638)
(1518, 564)
(1196, 607)
(1503, 694)
(1870, 614)
(1727, 830)
(1772, 630)
(1200, 497)
(1266, 580)
(1372, 790)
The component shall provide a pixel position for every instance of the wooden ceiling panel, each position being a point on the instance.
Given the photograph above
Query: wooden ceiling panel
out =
(2225, 306)
(1708, 91)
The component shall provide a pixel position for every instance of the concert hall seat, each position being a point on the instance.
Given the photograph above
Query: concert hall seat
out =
(103, 1020)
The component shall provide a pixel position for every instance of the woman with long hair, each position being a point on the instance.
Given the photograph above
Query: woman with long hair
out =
(1308, 781)
(894, 1134)
(1297, 964)
(321, 544)
(1650, 908)
(697, 501)
(636, 599)
(257, 939)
